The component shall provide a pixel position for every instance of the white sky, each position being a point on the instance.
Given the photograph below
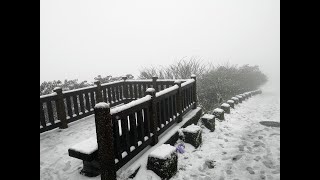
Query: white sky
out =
(80, 39)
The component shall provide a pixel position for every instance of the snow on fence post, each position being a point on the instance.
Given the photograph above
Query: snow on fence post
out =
(98, 91)
(194, 91)
(153, 115)
(179, 100)
(125, 87)
(154, 83)
(104, 131)
(62, 116)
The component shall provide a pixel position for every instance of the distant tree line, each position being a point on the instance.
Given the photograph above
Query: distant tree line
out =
(214, 83)
(47, 87)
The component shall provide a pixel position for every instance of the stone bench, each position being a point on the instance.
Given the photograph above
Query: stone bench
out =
(240, 98)
(235, 99)
(87, 151)
(231, 103)
(163, 161)
(244, 96)
(218, 113)
(226, 107)
(208, 121)
(248, 94)
(191, 134)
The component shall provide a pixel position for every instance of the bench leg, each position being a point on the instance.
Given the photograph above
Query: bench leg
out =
(90, 169)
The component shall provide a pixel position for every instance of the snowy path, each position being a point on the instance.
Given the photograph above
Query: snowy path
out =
(239, 149)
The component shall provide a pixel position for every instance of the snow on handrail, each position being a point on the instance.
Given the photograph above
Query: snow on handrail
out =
(48, 95)
(167, 90)
(130, 104)
(189, 81)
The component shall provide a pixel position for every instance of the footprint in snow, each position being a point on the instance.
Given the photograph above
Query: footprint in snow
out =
(237, 157)
(262, 176)
(241, 147)
(268, 164)
(258, 143)
(276, 171)
(67, 166)
(229, 172)
(257, 158)
(250, 170)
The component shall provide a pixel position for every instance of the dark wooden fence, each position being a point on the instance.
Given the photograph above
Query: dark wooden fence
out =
(137, 124)
(62, 107)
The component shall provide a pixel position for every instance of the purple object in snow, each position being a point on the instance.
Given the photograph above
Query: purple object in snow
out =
(180, 148)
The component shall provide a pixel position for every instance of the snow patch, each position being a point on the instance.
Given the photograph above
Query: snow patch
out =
(163, 152)
(86, 147)
(130, 104)
(225, 105)
(235, 98)
(102, 105)
(191, 128)
(208, 116)
(230, 101)
(167, 90)
(218, 110)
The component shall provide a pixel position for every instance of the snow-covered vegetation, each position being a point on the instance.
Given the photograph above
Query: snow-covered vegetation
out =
(47, 87)
(214, 83)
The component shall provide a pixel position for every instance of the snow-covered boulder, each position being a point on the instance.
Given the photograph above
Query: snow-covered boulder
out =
(226, 107)
(218, 113)
(191, 134)
(231, 103)
(163, 161)
(240, 98)
(244, 96)
(235, 99)
(208, 121)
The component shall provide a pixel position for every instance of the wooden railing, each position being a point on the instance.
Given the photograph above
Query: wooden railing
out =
(137, 124)
(62, 107)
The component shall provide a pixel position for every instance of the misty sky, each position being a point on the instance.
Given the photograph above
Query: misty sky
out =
(80, 39)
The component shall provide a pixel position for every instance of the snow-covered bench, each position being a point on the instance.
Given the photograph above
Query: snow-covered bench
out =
(88, 152)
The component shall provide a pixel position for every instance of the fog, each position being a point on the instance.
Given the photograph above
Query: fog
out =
(80, 39)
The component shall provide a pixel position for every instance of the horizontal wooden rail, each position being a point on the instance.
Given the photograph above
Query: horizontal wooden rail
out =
(138, 123)
(62, 107)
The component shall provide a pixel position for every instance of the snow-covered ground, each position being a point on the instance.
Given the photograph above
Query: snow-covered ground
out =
(240, 148)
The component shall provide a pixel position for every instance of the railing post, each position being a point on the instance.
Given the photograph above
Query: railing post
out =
(179, 101)
(125, 87)
(195, 91)
(61, 108)
(153, 115)
(154, 83)
(98, 91)
(104, 131)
